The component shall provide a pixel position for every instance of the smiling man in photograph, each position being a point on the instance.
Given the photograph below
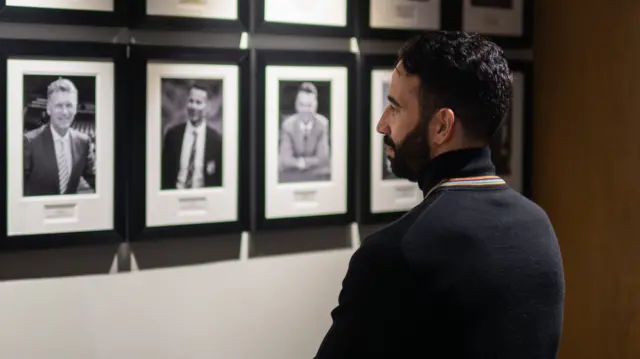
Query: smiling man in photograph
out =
(192, 151)
(304, 140)
(475, 270)
(57, 157)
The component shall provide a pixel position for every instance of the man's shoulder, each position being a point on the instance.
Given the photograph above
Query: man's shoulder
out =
(35, 133)
(79, 135)
(463, 220)
(213, 132)
(288, 122)
(322, 120)
(177, 128)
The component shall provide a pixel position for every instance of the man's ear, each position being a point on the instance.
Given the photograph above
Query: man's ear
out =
(444, 120)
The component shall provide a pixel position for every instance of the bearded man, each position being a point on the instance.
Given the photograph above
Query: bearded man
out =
(474, 271)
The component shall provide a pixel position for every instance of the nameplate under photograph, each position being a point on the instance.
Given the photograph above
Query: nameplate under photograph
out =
(306, 126)
(388, 192)
(91, 5)
(60, 137)
(404, 14)
(507, 147)
(209, 9)
(493, 17)
(192, 143)
(307, 12)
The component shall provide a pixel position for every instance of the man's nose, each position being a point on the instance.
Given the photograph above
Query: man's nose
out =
(382, 126)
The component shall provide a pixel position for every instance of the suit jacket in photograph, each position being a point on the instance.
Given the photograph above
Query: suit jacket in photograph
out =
(314, 148)
(172, 149)
(41, 166)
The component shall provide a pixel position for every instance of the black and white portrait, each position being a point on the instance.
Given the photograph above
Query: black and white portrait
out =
(501, 146)
(304, 143)
(59, 142)
(502, 4)
(191, 133)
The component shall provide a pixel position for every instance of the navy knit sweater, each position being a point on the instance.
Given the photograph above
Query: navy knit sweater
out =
(474, 271)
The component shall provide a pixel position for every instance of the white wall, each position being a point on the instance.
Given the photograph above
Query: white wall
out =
(264, 308)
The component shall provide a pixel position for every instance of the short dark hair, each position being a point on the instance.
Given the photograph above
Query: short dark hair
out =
(464, 72)
(202, 86)
(308, 87)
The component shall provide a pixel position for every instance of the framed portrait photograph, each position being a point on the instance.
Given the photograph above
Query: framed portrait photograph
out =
(308, 17)
(65, 175)
(190, 130)
(191, 15)
(384, 196)
(508, 22)
(67, 12)
(401, 19)
(305, 125)
(511, 146)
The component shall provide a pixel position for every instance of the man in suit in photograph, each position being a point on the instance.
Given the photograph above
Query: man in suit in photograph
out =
(57, 157)
(192, 151)
(304, 140)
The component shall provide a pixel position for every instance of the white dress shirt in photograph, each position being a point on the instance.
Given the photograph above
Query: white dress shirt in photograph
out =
(62, 145)
(198, 134)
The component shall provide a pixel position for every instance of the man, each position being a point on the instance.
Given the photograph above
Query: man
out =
(474, 271)
(192, 151)
(57, 157)
(304, 140)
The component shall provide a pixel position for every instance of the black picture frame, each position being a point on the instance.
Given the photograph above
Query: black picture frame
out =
(370, 63)
(449, 13)
(265, 58)
(526, 68)
(140, 19)
(140, 56)
(118, 17)
(508, 42)
(38, 49)
(260, 25)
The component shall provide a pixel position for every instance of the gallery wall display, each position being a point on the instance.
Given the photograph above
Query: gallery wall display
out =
(305, 129)
(191, 15)
(511, 147)
(305, 17)
(67, 12)
(65, 141)
(508, 22)
(190, 127)
(384, 197)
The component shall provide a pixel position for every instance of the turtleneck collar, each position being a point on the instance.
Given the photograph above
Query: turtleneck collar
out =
(468, 162)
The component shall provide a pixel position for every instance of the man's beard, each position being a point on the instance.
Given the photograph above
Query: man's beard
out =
(411, 155)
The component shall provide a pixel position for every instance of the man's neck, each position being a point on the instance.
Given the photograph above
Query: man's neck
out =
(465, 162)
(59, 131)
(196, 123)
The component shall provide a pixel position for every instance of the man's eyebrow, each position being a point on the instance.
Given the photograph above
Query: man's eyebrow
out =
(393, 101)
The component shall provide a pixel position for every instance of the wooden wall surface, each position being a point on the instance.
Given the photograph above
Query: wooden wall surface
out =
(587, 166)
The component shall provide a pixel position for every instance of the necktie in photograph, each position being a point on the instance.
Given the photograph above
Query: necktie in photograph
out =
(192, 162)
(63, 167)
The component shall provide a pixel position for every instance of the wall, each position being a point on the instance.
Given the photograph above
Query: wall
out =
(264, 308)
(587, 157)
